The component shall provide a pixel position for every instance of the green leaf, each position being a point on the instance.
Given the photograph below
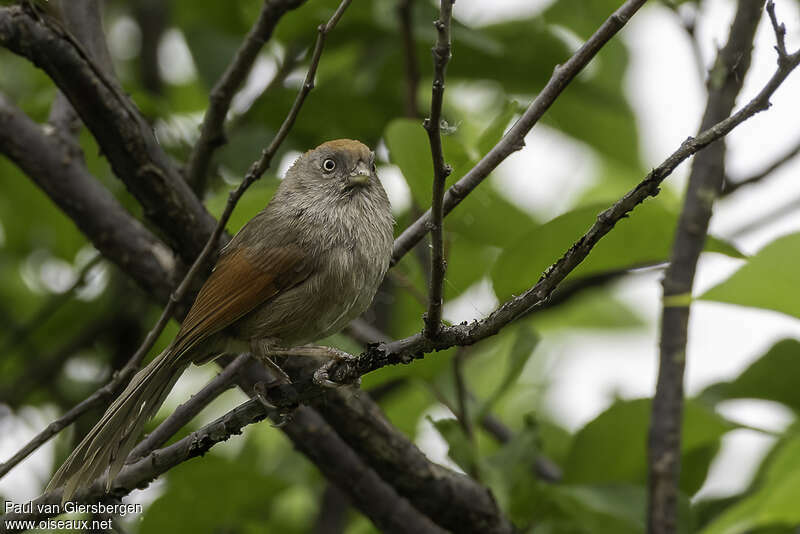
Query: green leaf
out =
(768, 280)
(521, 351)
(596, 309)
(484, 216)
(773, 376)
(494, 132)
(216, 495)
(773, 504)
(510, 472)
(643, 238)
(620, 433)
(468, 261)
(606, 508)
(461, 450)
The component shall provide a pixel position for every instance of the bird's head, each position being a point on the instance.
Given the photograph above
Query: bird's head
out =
(343, 167)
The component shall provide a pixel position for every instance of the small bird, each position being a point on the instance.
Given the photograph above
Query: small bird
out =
(300, 270)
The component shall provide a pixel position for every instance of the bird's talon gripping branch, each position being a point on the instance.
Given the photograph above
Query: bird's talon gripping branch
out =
(322, 374)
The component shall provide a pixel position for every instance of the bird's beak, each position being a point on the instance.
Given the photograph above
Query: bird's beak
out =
(360, 175)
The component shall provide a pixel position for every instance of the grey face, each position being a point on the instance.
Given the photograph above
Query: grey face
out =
(345, 168)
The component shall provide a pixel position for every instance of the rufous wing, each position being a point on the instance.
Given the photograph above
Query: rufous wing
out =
(241, 280)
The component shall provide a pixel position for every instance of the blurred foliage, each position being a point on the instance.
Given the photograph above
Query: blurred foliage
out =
(768, 279)
(492, 242)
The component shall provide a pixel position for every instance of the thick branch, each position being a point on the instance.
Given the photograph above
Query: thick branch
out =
(84, 20)
(375, 496)
(63, 177)
(514, 139)
(123, 135)
(705, 184)
(454, 501)
(130, 368)
(212, 133)
(441, 56)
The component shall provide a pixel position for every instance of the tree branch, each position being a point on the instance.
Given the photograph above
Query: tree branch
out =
(469, 508)
(212, 133)
(705, 183)
(441, 56)
(188, 410)
(415, 346)
(141, 473)
(786, 208)
(84, 20)
(405, 14)
(334, 507)
(122, 133)
(152, 17)
(513, 140)
(731, 187)
(256, 170)
(259, 167)
(112, 230)
(311, 435)
(375, 496)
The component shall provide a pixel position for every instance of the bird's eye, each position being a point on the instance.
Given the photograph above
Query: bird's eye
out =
(328, 165)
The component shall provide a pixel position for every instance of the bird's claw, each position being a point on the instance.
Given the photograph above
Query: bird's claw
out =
(283, 415)
(321, 375)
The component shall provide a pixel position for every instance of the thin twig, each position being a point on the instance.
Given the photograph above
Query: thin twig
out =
(689, 26)
(211, 131)
(188, 410)
(462, 394)
(375, 498)
(415, 346)
(705, 183)
(543, 467)
(787, 208)
(260, 166)
(731, 187)
(405, 283)
(780, 33)
(142, 472)
(441, 170)
(255, 172)
(513, 140)
(291, 59)
(405, 14)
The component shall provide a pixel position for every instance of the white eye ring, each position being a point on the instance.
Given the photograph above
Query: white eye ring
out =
(328, 165)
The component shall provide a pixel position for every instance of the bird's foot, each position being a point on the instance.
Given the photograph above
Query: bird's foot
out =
(280, 416)
(322, 374)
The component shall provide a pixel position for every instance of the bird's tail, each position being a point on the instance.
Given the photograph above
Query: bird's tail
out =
(112, 438)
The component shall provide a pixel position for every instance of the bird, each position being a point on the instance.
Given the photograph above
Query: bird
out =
(298, 271)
